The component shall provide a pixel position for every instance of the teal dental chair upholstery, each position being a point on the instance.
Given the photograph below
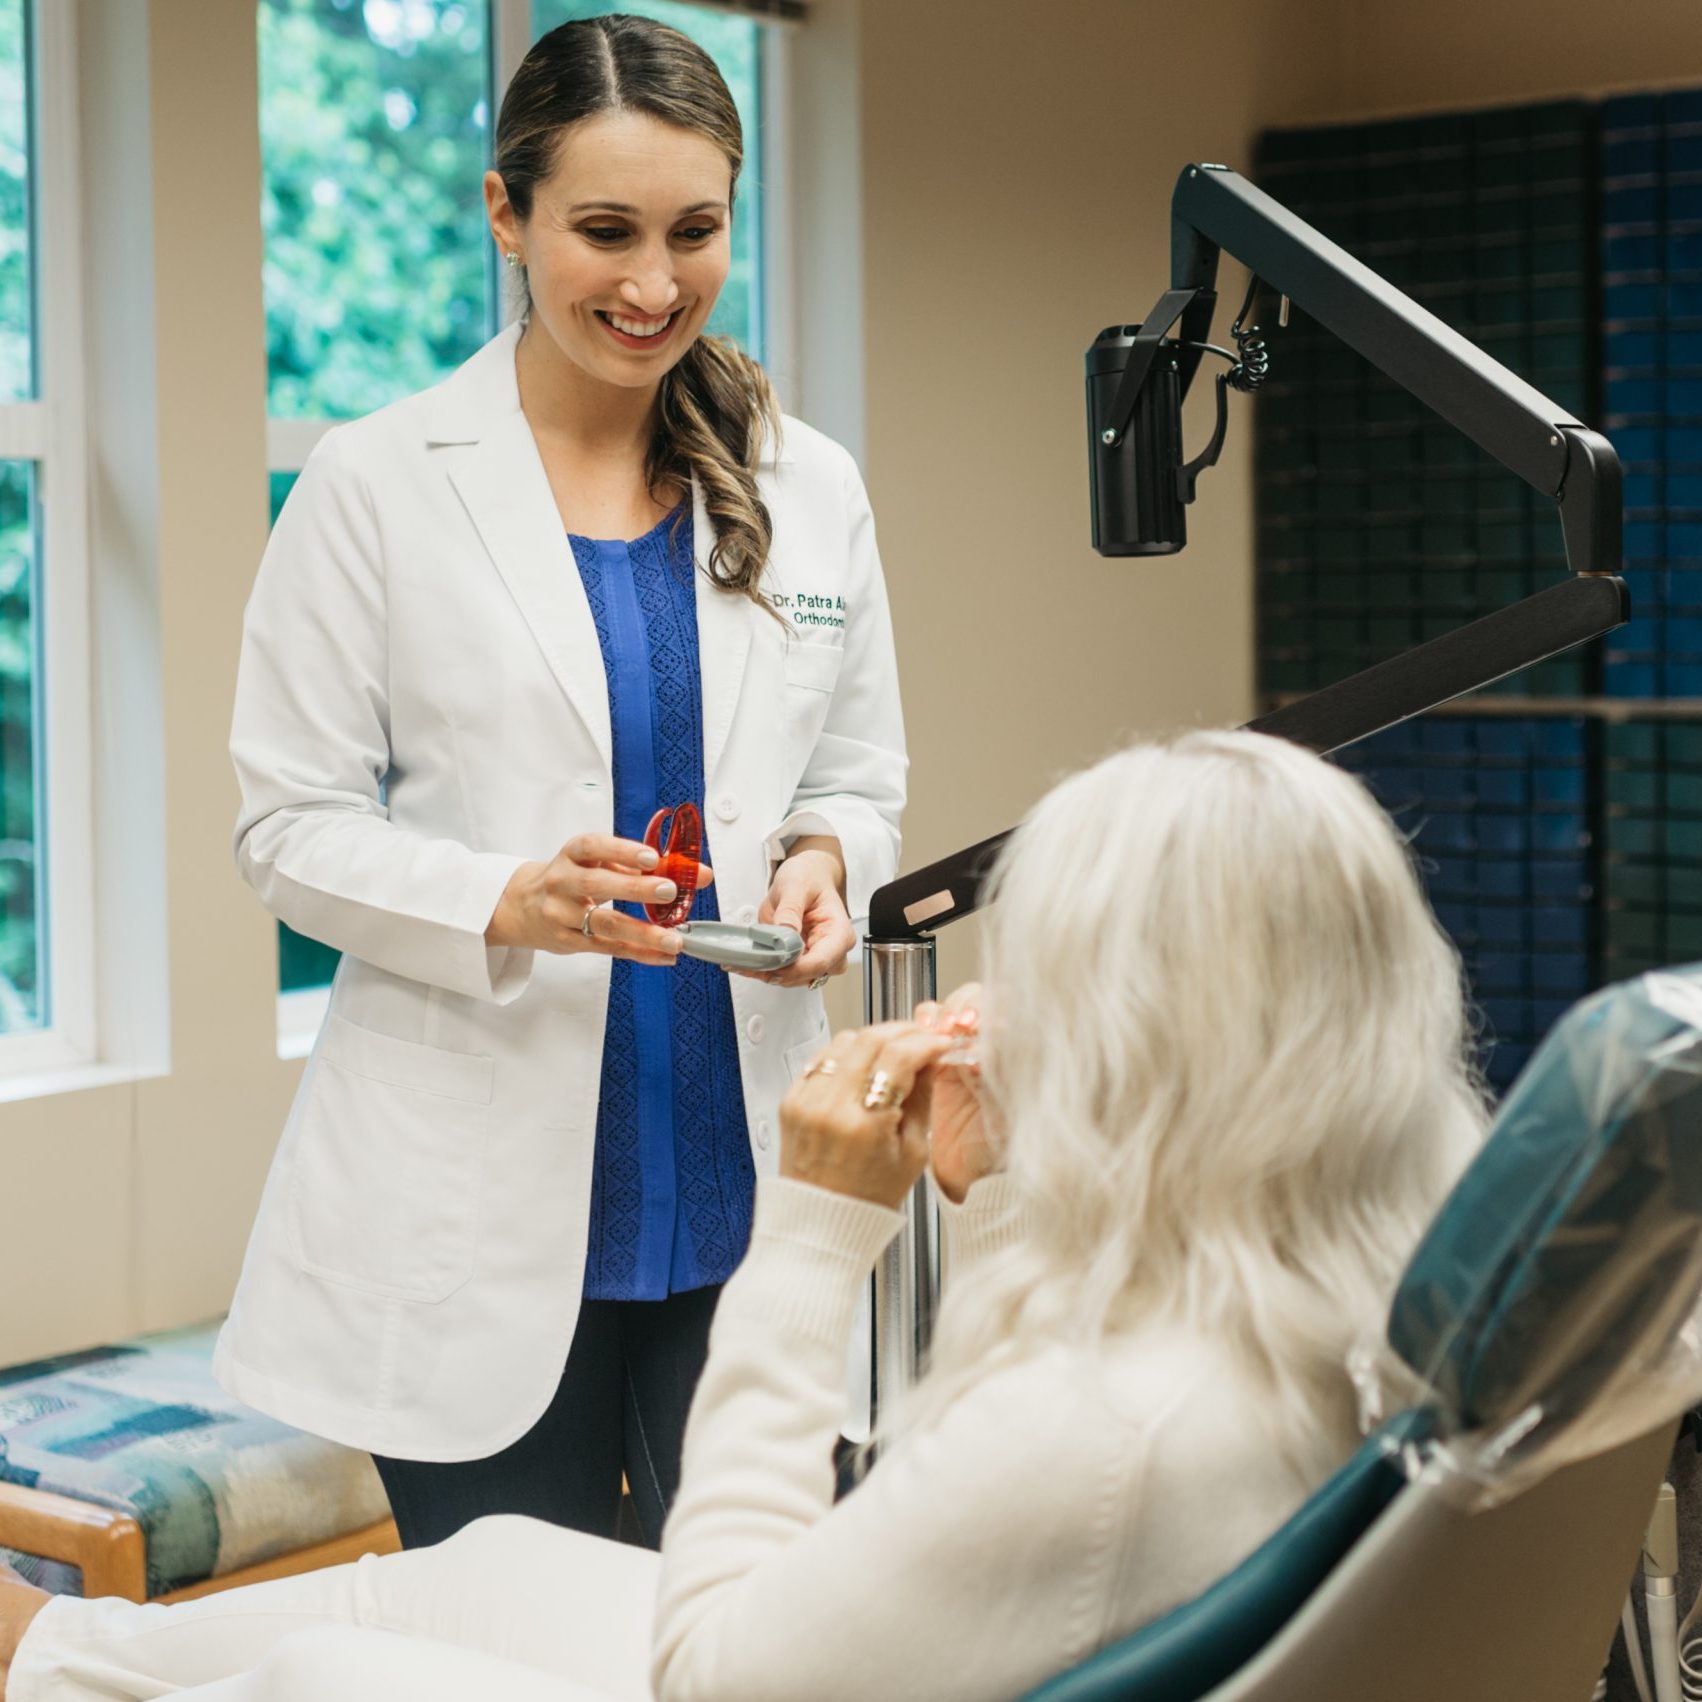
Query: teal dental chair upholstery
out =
(1477, 1547)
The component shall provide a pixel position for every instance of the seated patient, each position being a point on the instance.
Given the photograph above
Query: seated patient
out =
(1222, 1087)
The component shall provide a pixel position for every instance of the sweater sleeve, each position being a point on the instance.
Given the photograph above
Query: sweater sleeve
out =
(910, 1586)
(989, 1218)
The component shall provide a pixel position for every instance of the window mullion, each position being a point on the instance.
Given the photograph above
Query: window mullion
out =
(510, 36)
(776, 271)
(289, 442)
(26, 430)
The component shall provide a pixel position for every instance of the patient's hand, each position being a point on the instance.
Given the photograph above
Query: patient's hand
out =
(856, 1121)
(962, 1152)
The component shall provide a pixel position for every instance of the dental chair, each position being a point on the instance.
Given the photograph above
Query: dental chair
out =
(1478, 1546)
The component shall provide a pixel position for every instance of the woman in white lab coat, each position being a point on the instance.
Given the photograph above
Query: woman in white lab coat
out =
(591, 575)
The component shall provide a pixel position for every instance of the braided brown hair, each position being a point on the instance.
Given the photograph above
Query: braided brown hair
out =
(716, 405)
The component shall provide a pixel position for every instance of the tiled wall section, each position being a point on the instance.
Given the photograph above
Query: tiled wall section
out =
(1499, 811)
(1379, 524)
(1651, 163)
(1652, 838)
(1561, 850)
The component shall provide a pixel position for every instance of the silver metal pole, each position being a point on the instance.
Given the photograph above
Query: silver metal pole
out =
(897, 977)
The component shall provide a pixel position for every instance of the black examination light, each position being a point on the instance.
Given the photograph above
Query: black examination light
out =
(1137, 376)
(1137, 510)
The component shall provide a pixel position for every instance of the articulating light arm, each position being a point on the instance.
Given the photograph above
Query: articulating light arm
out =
(1140, 484)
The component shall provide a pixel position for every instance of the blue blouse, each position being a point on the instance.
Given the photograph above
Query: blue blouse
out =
(672, 1183)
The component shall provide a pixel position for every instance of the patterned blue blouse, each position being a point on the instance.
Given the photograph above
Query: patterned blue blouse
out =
(672, 1181)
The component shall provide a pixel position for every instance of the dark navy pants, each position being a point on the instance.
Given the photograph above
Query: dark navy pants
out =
(621, 1406)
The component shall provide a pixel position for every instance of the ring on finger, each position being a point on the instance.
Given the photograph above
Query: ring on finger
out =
(883, 1093)
(817, 984)
(585, 921)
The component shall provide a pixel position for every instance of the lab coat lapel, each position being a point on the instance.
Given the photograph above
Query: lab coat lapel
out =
(507, 493)
(723, 641)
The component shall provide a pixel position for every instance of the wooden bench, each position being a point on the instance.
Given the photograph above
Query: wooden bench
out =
(130, 1465)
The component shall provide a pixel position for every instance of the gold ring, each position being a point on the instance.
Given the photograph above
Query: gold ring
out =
(585, 922)
(882, 1095)
(822, 1067)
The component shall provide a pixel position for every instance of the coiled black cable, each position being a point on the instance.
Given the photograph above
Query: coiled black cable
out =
(1250, 360)
(1253, 360)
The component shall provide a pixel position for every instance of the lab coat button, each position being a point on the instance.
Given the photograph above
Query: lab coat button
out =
(747, 915)
(754, 1028)
(727, 807)
(763, 1134)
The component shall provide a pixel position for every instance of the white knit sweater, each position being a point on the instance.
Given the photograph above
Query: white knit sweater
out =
(1057, 1505)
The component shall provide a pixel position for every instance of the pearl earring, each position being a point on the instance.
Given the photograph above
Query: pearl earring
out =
(513, 259)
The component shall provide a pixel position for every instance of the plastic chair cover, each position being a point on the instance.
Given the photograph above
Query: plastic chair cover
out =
(1552, 1311)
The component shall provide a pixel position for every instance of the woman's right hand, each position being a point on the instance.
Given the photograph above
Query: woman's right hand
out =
(545, 906)
(959, 1149)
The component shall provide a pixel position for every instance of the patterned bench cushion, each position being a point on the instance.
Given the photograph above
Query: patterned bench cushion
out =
(142, 1427)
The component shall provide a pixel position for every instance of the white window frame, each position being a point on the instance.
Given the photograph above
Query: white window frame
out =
(289, 442)
(777, 176)
(52, 431)
(510, 37)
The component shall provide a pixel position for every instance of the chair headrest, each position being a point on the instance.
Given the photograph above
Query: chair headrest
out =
(1568, 1258)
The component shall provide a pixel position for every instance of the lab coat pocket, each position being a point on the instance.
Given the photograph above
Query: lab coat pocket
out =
(388, 1163)
(812, 671)
(815, 667)
(800, 1057)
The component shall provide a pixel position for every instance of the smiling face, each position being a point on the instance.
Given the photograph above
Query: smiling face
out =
(626, 246)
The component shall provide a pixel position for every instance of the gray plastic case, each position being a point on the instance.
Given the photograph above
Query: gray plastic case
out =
(759, 946)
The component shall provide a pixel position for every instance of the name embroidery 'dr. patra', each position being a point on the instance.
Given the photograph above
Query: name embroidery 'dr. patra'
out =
(808, 609)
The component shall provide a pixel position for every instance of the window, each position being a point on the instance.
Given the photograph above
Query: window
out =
(373, 122)
(380, 278)
(46, 940)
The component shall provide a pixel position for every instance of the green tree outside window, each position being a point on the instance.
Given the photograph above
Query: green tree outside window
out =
(22, 935)
(17, 307)
(373, 127)
(23, 993)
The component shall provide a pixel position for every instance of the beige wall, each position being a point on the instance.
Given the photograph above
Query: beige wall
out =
(1018, 158)
(1396, 57)
(1016, 161)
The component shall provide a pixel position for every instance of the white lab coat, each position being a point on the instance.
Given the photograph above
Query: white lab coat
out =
(421, 707)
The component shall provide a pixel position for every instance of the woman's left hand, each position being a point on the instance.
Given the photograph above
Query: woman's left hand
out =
(807, 894)
(856, 1121)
